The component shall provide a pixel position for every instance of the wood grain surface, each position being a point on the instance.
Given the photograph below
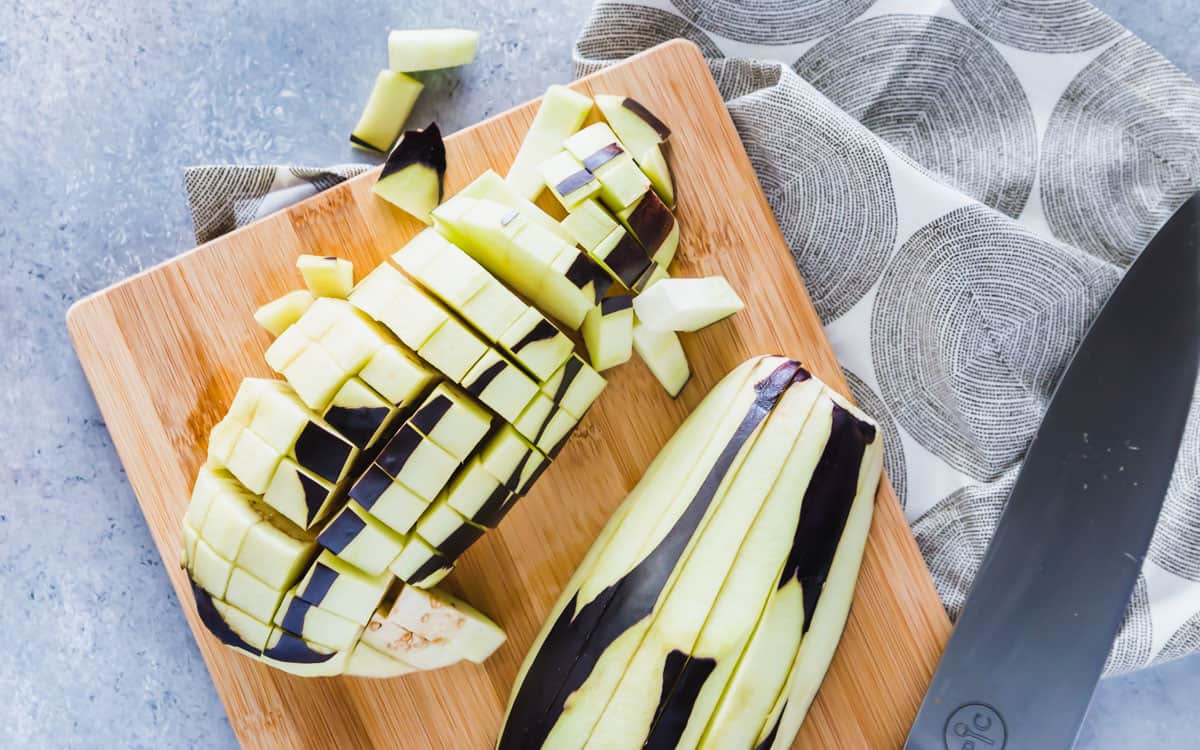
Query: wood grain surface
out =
(165, 350)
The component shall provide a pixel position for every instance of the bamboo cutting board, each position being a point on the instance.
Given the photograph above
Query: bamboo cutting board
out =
(165, 350)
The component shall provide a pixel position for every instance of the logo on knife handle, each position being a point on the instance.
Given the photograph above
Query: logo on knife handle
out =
(975, 726)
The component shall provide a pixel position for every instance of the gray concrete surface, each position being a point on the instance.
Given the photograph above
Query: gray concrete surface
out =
(103, 103)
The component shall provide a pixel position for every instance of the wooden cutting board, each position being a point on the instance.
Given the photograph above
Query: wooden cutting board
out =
(165, 350)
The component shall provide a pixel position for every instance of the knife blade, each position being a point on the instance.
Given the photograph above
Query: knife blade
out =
(1023, 661)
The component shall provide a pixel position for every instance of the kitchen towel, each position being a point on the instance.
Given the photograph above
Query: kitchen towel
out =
(961, 183)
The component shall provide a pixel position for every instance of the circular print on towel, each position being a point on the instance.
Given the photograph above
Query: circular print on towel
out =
(954, 534)
(1183, 642)
(1176, 543)
(1041, 25)
(771, 21)
(973, 321)
(1131, 649)
(1120, 151)
(617, 30)
(893, 450)
(941, 93)
(829, 185)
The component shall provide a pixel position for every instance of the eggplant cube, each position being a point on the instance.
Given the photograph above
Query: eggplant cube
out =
(246, 625)
(411, 179)
(537, 344)
(590, 224)
(561, 113)
(569, 181)
(493, 309)
(326, 276)
(652, 223)
(190, 537)
(556, 432)
(447, 530)
(608, 332)
(654, 164)
(390, 298)
(315, 376)
(479, 496)
(315, 624)
(452, 421)
(500, 385)
(453, 349)
(389, 501)
(209, 482)
(229, 520)
(638, 127)
(594, 146)
(339, 587)
(351, 342)
(359, 414)
(397, 375)
(299, 495)
(575, 386)
(253, 461)
(276, 552)
(429, 49)
(222, 439)
(420, 565)
(387, 109)
(622, 182)
(417, 463)
(623, 257)
(210, 571)
(321, 316)
(663, 354)
(361, 540)
(284, 349)
(280, 313)
(512, 459)
(687, 304)
(252, 596)
(442, 268)
(279, 420)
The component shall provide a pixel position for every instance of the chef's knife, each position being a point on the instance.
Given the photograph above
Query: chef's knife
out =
(1023, 661)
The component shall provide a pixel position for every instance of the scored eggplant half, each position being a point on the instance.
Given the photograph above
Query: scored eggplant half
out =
(693, 621)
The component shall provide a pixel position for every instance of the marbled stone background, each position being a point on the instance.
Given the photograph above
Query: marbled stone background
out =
(102, 103)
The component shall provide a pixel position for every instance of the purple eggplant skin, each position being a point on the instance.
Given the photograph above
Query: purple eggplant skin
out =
(398, 450)
(427, 417)
(823, 514)
(542, 331)
(826, 506)
(344, 529)
(293, 650)
(423, 148)
(322, 452)
(616, 304)
(628, 260)
(683, 679)
(216, 624)
(651, 119)
(579, 637)
(651, 222)
(584, 270)
(357, 424)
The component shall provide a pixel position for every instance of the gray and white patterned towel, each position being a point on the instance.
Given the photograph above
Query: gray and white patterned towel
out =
(961, 182)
